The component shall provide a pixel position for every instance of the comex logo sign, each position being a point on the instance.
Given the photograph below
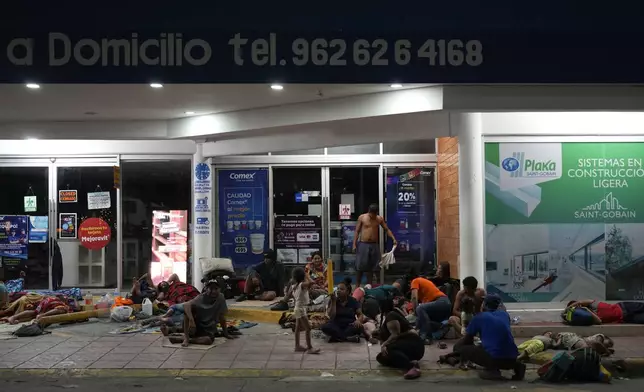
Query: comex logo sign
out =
(242, 176)
(520, 167)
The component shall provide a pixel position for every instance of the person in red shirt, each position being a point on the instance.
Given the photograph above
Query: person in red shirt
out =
(627, 312)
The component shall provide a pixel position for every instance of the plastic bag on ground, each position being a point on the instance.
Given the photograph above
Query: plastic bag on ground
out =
(146, 307)
(121, 313)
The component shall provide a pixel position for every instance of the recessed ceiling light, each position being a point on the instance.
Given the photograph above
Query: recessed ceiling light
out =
(33, 86)
(396, 85)
(156, 85)
(277, 87)
(189, 112)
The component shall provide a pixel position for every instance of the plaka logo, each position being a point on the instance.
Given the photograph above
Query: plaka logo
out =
(608, 208)
(520, 167)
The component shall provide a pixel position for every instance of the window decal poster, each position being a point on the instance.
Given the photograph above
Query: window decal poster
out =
(243, 218)
(297, 238)
(13, 236)
(410, 214)
(38, 229)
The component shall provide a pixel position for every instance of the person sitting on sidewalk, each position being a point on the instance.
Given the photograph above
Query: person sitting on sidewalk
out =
(201, 317)
(627, 312)
(344, 316)
(471, 294)
(400, 345)
(142, 288)
(497, 350)
(174, 291)
(316, 271)
(535, 345)
(266, 280)
(48, 306)
(430, 305)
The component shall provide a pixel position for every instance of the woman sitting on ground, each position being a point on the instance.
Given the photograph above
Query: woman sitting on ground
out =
(344, 316)
(401, 347)
(316, 271)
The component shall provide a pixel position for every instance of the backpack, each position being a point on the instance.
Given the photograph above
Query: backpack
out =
(586, 366)
(575, 316)
(556, 370)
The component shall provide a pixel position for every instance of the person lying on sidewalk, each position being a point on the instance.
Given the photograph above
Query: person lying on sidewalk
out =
(627, 312)
(174, 291)
(472, 296)
(535, 345)
(48, 306)
(497, 350)
(266, 280)
(143, 288)
(571, 341)
(344, 314)
(201, 317)
(173, 317)
(400, 346)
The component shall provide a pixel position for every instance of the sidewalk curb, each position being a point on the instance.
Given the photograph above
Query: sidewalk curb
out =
(236, 373)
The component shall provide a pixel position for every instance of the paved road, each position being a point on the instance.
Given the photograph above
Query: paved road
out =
(35, 384)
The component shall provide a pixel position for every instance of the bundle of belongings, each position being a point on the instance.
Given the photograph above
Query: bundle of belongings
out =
(581, 365)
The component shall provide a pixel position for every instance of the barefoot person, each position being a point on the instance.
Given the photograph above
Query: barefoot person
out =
(401, 347)
(174, 291)
(201, 317)
(368, 249)
(266, 280)
(301, 295)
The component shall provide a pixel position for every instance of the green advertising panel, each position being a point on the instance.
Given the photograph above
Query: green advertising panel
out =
(564, 221)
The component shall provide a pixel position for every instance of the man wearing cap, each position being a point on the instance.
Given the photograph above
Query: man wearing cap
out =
(497, 350)
(266, 280)
(202, 314)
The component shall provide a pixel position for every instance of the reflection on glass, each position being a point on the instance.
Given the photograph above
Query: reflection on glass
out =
(18, 182)
(83, 267)
(150, 186)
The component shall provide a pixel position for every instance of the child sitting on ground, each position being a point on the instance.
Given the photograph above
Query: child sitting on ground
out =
(302, 283)
(467, 313)
(535, 345)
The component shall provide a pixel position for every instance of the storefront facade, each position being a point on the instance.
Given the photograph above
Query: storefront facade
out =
(89, 218)
(300, 202)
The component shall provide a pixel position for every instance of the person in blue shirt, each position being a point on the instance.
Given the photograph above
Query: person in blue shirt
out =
(344, 316)
(497, 350)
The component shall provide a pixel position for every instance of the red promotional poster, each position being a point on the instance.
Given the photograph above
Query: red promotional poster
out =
(94, 233)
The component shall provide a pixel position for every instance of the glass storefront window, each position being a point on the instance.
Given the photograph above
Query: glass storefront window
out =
(86, 265)
(297, 205)
(410, 201)
(33, 259)
(164, 187)
(358, 187)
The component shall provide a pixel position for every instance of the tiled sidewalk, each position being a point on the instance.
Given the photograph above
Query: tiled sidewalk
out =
(265, 351)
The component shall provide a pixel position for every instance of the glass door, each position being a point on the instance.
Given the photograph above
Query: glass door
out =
(298, 210)
(85, 221)
(352, 190)
(25, 223)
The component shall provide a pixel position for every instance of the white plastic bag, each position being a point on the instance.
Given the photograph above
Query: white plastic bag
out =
(209, 264)
(388, 259)
(146, 307)
(121, 313)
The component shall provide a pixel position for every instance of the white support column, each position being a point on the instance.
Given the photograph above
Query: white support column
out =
(202, 216)
(468, 128)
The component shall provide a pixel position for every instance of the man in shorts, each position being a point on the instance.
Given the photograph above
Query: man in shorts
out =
(367, 248)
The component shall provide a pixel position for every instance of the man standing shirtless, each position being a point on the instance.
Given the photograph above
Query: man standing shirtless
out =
(368, 251)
